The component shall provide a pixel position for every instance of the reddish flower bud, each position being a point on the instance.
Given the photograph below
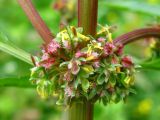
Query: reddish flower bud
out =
(96, 64)
(69, 92)
(94, 54)
(67, 76)
(47, 63)
(109, 48)
(79, 54)
(74, 67)
(101, 39)
(119, 49)
(66, 44)
(45, 56)
(127, 62)
(102, 94)
(59, 5)
(111, 89)
(114, 60)
(52, 47)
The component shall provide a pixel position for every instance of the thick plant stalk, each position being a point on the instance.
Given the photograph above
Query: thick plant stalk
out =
(138, 34)
(87, 15)
(81, 110)
(87, 18)
(36, 20)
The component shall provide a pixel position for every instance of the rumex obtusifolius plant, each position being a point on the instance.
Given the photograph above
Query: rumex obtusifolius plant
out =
(74, 66)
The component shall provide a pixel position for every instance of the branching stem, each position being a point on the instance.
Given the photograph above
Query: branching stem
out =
(36, 20)
(138, 34)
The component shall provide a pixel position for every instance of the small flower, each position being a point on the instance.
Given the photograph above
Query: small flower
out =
(79, 54)
(52, 47)
(74, 67)
(114, 60)
(102, 94)
(96, 64)
(95, 54)
(67, 76)
(69, 92)
(111, 89)
(93, 85)
(45, 56)
(70, 65)
(59, 5)
(43, 50)
(119, 49)
(127, 62)
(92, 56)
(47, 63)
(101, 39)
(109, 48)
(66, 44)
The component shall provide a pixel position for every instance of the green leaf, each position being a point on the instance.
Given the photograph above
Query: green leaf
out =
(133, 6)
(82, 59)
(126, 81)
(107, 75)
(112, 79)
(44, 88)
(15, 81)
(35, 71)
(70, 36)
(92, 94)
(60, 101)
(121, 76)
(11, 49)
(63, 64)
(76, 83)
(116, 98)
(85, 84)
(101, 79)
(104, 100)
(153, 64)
(132, 91)
(88, 69)
(83, 74)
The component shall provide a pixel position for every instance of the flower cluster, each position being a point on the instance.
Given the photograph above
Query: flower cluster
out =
(74, 66)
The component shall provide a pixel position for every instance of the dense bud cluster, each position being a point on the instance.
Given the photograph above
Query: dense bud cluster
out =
(75, 66)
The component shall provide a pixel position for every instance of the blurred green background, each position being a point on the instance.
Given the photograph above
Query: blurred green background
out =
(25, 104)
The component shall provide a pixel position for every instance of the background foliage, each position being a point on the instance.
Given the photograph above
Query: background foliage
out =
(20, 103)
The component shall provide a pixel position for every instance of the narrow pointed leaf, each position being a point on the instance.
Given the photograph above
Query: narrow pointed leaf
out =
(101, 79)
(11, 49)
(15, 81)
(85, 84)
(153, 64)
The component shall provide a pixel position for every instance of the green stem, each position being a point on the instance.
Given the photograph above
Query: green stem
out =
(87, 16)
(81, 111)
